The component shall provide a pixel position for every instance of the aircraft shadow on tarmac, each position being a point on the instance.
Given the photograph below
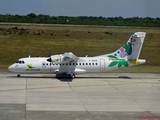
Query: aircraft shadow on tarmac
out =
(68, 79)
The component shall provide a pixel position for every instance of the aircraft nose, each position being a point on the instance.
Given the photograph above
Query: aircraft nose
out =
(10, 68)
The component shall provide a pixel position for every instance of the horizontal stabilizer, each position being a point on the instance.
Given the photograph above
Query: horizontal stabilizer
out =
(137, 61)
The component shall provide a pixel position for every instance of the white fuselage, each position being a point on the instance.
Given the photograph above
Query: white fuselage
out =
(40, 65)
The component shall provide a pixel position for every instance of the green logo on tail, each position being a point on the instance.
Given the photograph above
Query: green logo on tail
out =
(117, 61)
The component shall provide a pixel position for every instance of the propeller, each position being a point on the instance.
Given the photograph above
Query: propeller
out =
(49, 59)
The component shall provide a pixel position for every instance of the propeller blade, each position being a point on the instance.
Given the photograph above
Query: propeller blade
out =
(49, 59)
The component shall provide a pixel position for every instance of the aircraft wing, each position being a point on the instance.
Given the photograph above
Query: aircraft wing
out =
(69, 57)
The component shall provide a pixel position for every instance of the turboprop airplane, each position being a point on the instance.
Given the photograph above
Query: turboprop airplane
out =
(70, 64)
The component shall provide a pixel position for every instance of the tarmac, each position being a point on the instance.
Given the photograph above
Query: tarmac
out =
(100, 96)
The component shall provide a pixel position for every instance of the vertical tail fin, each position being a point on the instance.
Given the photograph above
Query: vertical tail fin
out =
(131, 50)
(137, 42)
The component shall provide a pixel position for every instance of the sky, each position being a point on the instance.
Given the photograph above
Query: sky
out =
(105, 8)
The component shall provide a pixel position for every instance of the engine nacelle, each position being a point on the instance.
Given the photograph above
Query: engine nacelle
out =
(56, 59)
(63, 58)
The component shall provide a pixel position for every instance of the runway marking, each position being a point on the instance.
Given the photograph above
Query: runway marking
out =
(52, 87)
(111, 84)
(80, 101)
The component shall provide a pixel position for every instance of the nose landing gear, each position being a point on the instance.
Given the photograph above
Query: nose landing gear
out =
(18, 75)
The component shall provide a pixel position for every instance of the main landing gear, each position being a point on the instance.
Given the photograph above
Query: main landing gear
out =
(71, 75)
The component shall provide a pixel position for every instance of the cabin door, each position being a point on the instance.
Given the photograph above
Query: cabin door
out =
(102, 64)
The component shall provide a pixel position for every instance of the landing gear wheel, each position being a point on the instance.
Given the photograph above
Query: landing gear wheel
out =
(72, 76)
(18, 75)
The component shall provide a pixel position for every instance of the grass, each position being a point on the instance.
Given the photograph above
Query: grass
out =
(17, 41)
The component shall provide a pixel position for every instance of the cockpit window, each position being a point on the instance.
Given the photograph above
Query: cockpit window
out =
(20, 62)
